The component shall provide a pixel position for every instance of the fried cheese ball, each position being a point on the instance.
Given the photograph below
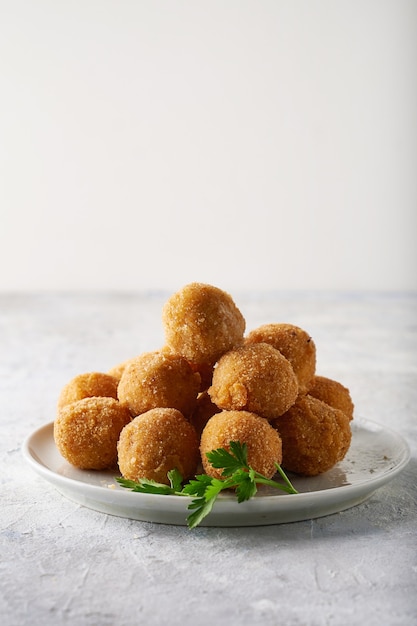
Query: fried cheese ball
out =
(86, 432)
(295, 344)
(333, 393)
(88, 385)
(255, 378)
(201, 322)
(159, 379)
(315, 436)
(262, 440)
(156, 442)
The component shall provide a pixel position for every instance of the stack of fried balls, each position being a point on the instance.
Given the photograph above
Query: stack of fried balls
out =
(208, 385)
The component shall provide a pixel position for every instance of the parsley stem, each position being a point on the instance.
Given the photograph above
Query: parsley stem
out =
(285, 478)
(272, 483)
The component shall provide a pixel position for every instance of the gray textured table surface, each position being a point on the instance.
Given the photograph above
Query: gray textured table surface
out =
(63, 563)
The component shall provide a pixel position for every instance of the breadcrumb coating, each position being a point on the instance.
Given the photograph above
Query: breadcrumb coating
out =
(86, 432)
(256, 378)
(159, 379)
(201, 322)
(204, 369)
(314, 436)
(155, 443)
(262, 440)
(295, 344)
(88, 385)
(333, 393)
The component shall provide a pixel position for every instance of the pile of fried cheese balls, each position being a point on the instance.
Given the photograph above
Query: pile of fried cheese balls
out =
(208, 385)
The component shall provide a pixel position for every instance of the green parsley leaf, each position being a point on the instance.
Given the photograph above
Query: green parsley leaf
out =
(240, 452)
(246, 487)
(175, 479)
(146, 486)
(229, 461)
(214, 488)
(198, 486)
(202, 509)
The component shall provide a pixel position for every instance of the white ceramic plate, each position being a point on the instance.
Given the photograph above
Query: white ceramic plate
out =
(375, 457)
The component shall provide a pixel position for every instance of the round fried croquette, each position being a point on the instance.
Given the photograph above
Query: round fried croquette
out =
(201, 322)
(256, 378)
(295, 344)
(156, 442)
(262, 440)
(159, 379)
(333, 393)
(86, 432)
(204, 409)
(88, 385)
(315, 436)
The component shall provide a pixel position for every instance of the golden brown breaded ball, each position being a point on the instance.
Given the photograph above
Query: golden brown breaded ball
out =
(201, 322)
(159, 379)
(314, 436)
(295, 344)
(262, 440)
(333, 393)
(156, 442)
(256, 378)
(88, 385)
(86, 432)
(204, 409)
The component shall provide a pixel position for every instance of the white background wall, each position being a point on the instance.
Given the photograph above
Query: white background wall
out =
(247, 143)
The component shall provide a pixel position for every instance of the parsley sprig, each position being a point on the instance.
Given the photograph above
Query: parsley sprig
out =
(237, 474)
